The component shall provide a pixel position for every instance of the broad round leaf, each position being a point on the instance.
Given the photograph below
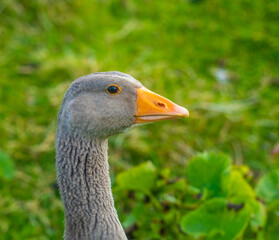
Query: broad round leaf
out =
(141, 177)
(209, 172)
(268, 187)
(214, 220)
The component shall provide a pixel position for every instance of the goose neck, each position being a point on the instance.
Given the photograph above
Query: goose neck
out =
(84, 182)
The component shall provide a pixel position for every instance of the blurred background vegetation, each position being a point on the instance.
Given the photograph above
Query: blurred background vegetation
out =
(217, 58)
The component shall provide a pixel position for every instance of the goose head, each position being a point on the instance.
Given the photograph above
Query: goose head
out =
(102, 104)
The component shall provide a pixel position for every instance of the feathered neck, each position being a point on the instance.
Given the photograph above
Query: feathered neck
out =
(85, 187)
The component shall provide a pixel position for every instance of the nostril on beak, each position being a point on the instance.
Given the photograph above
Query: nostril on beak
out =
(161, 105)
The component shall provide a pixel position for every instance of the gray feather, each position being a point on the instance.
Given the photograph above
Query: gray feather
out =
(88, 116)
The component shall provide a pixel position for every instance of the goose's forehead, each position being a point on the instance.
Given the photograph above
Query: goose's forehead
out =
(101, 78)
(122, 78)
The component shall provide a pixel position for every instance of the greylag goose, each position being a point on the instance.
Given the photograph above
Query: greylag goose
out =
(94, 108)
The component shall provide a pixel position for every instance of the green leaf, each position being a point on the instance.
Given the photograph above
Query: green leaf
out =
(6, 166)
(134, 215)
(239, 188)
(272, 225)
(240, 191)
(192, 190)
(141, 177)
(209, 172)
(213, 220)
(179, 185)
(259, 216)
(268, 187)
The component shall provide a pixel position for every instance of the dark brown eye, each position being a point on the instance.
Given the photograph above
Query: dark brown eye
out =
(113, 89)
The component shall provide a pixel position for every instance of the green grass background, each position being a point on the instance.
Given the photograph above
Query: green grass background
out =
(173, 48)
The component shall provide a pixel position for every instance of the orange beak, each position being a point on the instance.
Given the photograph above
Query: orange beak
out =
(152, 107)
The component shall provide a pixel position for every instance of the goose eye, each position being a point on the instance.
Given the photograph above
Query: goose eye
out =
(113, 89)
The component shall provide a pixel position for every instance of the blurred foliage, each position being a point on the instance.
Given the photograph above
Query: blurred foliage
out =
(6, 166)
(221, 206)
(141, 178)
(217, 58)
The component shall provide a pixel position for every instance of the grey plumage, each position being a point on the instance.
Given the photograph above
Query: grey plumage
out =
(84, 123)
(88, 110)
(83, 176)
